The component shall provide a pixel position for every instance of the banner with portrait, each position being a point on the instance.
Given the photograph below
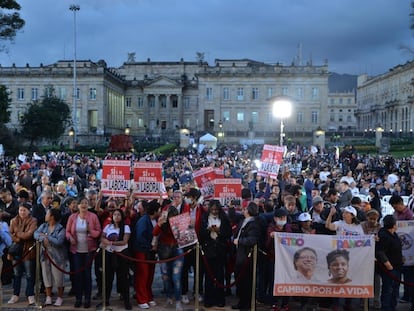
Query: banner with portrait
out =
(183, 230)
(316, 265)
(272, 158)
(227, 190)
(148, 182)
(405, 230)
(116, 180)
(204, 178)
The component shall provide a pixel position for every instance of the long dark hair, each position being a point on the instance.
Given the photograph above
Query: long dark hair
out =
(121, 223)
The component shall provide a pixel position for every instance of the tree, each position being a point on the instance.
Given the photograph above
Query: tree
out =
(47, 119)
(5, 101)
(10, 22)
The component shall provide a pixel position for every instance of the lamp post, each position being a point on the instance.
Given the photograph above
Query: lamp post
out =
(378, 136)
(74, 8)
(220, 133)
(281, 108)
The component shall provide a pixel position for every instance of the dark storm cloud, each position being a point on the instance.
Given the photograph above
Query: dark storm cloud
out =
(355, 36)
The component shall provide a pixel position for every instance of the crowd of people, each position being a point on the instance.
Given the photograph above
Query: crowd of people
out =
(55, 199)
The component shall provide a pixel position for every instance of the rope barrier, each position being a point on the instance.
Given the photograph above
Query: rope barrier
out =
(89, 263)
(236, 281)
(381, 266)
(154, 261)
(18, 262)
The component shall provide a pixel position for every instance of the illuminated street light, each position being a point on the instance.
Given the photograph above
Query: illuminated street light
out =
(127, 130)
(74, 8)
(281, 108)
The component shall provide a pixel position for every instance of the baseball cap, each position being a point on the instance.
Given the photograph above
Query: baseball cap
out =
(350, 210)
(317, 200)
(304, 217)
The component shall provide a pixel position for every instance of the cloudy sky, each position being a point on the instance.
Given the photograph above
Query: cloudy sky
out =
(356, 36)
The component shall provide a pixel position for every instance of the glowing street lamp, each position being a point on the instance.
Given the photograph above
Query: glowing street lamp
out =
(127, 130)
(281, 108)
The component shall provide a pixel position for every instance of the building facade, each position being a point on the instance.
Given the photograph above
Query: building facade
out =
(156, 99)
(386, 101)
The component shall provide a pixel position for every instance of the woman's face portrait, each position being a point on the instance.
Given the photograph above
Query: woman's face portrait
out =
(306, 262)
(23, 212)
(347, 217)
(339, 267)
(117, 217)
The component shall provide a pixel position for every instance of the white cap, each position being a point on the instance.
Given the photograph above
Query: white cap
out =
(351, 210)
(304, 217)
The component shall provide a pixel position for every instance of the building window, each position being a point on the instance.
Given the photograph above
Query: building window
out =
(269, 92)
(20, 94)
(315, 93)
(35, 93)
(299, 92)
(163, 101)
(332, 101)
(299, 117)
(48, 91)
(240, 116)
(128, 102)
(314, 118)
(255, 117)
(186, 102)
(62, 93)
(349, 118)
(284, 91)
(349, 101)
(77, 94)
(92, 93)
(140, 122)
(226, 115)
(226, 93)
(140, 102)
(332, 117)
(240, 93)
(151, 102)
(255, 93)
(209, 93)
(174, 102)
(341, 101)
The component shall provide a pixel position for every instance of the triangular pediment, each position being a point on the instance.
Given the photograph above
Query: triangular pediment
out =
(163, 82)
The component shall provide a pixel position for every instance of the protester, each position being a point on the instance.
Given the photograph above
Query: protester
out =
(82, 231)
(22, 228)
(52, 236)
(215, 232)
(115, 238)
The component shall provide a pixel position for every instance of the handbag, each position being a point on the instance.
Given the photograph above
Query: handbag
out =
(16, 250)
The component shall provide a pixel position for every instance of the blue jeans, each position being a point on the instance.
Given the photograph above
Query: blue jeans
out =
(389, 290)
(172, 270)
(83, 279)
(27, 266)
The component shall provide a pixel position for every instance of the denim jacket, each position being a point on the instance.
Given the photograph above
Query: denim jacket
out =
(5, 237)
(58, 247)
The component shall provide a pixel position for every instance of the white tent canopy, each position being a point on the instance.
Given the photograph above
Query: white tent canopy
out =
(208, 140)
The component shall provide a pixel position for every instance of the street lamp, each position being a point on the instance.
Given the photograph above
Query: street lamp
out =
(281, 108)
(72, 134)
(74, 8)
(127, 130)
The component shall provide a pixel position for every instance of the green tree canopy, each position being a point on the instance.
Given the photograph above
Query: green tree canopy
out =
(10, 20)
(47, 119)
(5, 101)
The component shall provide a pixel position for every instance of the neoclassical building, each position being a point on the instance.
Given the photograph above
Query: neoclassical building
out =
(386, 100)
(156, 99)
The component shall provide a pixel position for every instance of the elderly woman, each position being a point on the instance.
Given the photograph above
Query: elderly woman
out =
(215, 233)
(82, 230)
(51, 235)
(22, 228)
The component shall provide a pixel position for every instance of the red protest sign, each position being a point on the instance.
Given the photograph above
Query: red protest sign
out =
(116, 178)
(204, 178)
(148, 180)
(227, 189)
(272, 158)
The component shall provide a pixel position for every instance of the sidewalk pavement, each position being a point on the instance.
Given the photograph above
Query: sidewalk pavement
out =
(116, 304)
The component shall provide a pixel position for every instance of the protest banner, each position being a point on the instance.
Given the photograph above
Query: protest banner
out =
(204, 178)
(316, 265)
(148, 181)
(227, 189)
(116, 180)
(183, 230)
(272, 158)
(405, 230)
